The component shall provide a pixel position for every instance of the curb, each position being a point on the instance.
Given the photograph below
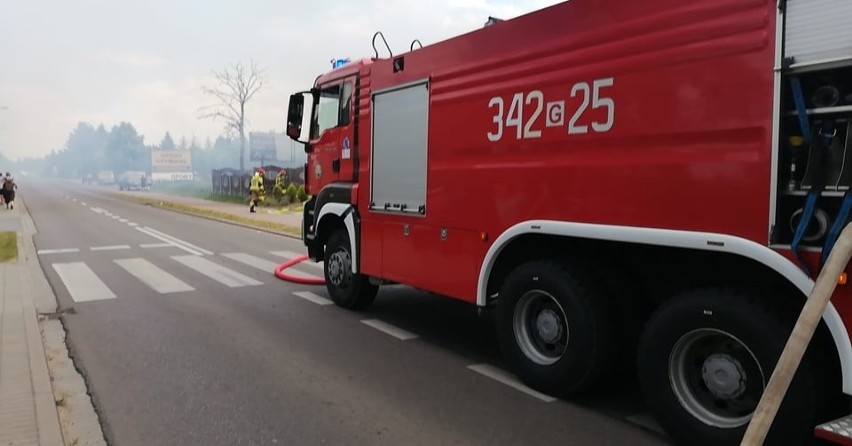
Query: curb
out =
(45, 300)
(78, 421)
(47, 415)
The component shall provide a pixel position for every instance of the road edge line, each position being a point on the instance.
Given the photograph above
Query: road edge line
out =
(198, 213)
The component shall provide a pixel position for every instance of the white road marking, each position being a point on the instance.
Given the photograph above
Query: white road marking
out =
(74, 199)
(509, 380)
(153, 276)
(266, 265)
(83, 203)
(171, 243)
(216, 272)
(115, 217)
(293, 255)
(57, 251)
(250, 260)
(179, 241)
(155, 245)
(123, 220)
(109, 248)
(82, 283)
(97, 210)
(389, 329)
(133, 224)
(315, 298)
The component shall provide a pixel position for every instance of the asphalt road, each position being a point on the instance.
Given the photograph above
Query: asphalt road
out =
(185, 337)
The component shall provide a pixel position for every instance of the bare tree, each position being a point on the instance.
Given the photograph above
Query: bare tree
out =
(236, 85)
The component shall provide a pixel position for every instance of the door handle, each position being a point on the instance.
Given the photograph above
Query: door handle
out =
(335, 165)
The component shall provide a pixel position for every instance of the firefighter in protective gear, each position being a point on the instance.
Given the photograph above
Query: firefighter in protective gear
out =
(280, 184)
(256, 189)
(281, 179)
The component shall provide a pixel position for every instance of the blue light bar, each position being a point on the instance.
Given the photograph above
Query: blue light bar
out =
(337, 63)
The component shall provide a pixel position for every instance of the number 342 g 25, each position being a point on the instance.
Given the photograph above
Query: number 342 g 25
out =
(592, 96)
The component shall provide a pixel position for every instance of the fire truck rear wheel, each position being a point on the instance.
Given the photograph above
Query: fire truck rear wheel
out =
(705, 358)
(555, 327)
(347, 290)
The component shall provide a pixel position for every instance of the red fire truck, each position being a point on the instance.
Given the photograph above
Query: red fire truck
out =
(634, 187)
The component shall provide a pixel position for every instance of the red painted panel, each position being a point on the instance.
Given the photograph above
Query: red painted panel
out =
(371, 249)
(423, 260)
(689, 84)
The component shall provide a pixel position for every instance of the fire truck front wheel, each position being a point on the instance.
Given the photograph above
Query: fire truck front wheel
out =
(347, 290)
(555, 326)
(704, 360)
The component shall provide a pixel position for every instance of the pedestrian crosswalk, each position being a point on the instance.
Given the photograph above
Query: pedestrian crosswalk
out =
(217, 272)
(174, 274)
(82, 283)
(155, 277)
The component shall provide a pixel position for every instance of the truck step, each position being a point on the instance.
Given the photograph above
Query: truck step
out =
(838, 431)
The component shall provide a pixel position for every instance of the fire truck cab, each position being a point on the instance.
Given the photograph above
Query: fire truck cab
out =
(634, 187)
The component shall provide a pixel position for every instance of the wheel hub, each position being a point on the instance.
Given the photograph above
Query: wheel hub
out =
(541, 327)
(724, 376)
(339, 268)
(548, 326)
(716, 377)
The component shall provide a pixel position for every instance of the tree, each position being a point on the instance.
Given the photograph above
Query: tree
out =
(125, 149)
(236, 86)
(223, 152)
(168, 143)
(84, 150)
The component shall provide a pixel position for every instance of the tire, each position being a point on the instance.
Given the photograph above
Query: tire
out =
(554, 327)
(353, 292)
(730, 336)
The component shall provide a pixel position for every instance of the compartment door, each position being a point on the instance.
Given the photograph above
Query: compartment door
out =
(818, 31)
(400, 130)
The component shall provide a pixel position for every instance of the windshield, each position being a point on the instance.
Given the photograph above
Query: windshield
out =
(326, 112)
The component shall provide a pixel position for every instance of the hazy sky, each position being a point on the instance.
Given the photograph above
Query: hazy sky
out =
(107, 61)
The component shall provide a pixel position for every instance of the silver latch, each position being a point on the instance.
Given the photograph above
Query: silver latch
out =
(443, 234)
(406, 229)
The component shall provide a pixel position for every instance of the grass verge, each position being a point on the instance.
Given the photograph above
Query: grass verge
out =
(277, 228)
(8, 246)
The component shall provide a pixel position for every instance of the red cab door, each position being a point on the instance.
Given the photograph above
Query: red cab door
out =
(332, 135)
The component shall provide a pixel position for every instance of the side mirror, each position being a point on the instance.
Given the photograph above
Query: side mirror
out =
(295, 113)
(300, 113)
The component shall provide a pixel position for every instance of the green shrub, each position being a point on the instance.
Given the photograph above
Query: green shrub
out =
(292, 192)
(301, 194)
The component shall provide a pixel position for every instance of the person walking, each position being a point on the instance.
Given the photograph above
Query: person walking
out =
(256, 188)
(9, 187)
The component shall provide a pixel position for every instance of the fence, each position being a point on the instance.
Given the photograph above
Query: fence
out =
(232, 182)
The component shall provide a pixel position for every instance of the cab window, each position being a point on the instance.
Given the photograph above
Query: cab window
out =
(345, 104)
(333, 109)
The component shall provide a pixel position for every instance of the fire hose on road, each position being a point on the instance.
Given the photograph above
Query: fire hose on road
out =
(279, 273)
